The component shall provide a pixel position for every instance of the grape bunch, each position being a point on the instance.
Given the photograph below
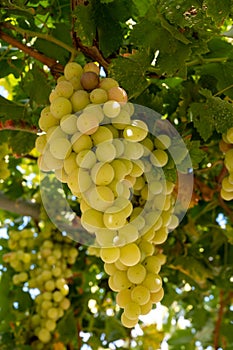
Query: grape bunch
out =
(43, 262)
(4, 171)
(226, 146)
(114, 166)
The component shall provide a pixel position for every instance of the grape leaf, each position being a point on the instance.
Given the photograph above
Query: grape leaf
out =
(121, 68)
(11, 110)
(61, 32)
(66, 327)
(196, 154)
(202, 117)
(85, 26)
(36, 86)
(21, 142)
(216, 10)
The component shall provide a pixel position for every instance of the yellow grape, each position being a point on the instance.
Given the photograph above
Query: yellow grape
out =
(130, 254)
(60, 107)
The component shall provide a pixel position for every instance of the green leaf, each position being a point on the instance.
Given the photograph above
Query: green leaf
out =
(67, 327)
(202, 116)
(85, 26)
(217, 10)
(133, 67)
(61, 32)
(22, 142)
(114, 329)
(11, 110)
(195, 153)
(181, 337)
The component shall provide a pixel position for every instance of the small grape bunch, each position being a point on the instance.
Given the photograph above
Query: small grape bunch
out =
(4, 171)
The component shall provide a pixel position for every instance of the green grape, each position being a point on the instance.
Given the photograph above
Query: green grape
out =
(53, 313)
(133, 150)
(156, 297)
(152, 264)
(64, 88)
(137, 168)
(229, 135)
(107, 83)
(148, 146)
(87, 123)
(64, 304)
(123, 297)
(102, 134)
(140, 294)
(113, 218)
(159, 158)
(91, 67)
(118, 94)
(109, 255)
(139, 183)
(128, 323)
(121, 120)
(72, 69)
(89, 80)
(57, 296)
(60, 148)
(81, 142)
(162, 142)
(146, 308)
(92, 219)
(47, 120)
(44, 335)
(111, 109)
(76, 83)
(227, 185)
(174, 222)
(79, 100)
(120, 278)
(86, 159)
(51, 162)
(120, 169)
(153, 282)
(49, 286)
(96, 110)
(98, 96)
(55, 132)
(136, 274)
(100, 197)
(60, 107)
(50, 325)
(68, 124)
(160, 235)
(40, 143)
(132, 311)
(119, 146)
(130, 254)
(105, 152)
(128, 233)
(102, 174)
(135, 132)
(110, 268)
(147, 248)
(227, 196)
(120, 266)
(105, 237)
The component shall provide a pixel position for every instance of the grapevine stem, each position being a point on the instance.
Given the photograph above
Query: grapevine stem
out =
(44, 36)
(219, 320)
(205, 61)
(223, 90)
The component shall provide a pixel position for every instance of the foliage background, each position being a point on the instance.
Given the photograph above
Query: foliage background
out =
(175, 57)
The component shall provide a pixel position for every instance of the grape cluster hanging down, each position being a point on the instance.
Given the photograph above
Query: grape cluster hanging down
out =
(114, 166)
(43, 262)
(227, 183)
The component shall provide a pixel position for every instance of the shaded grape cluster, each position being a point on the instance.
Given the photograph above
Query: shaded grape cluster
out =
(43, 263)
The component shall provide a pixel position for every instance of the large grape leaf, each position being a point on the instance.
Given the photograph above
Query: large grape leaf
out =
(217, 10)
(11, 110)
(85, 26)
(122, 68)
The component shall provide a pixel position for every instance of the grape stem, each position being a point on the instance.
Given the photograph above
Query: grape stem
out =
(50, 62)
(20, 126)
(19, 206)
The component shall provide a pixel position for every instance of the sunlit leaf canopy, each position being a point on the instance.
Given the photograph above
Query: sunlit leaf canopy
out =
(175, 57)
